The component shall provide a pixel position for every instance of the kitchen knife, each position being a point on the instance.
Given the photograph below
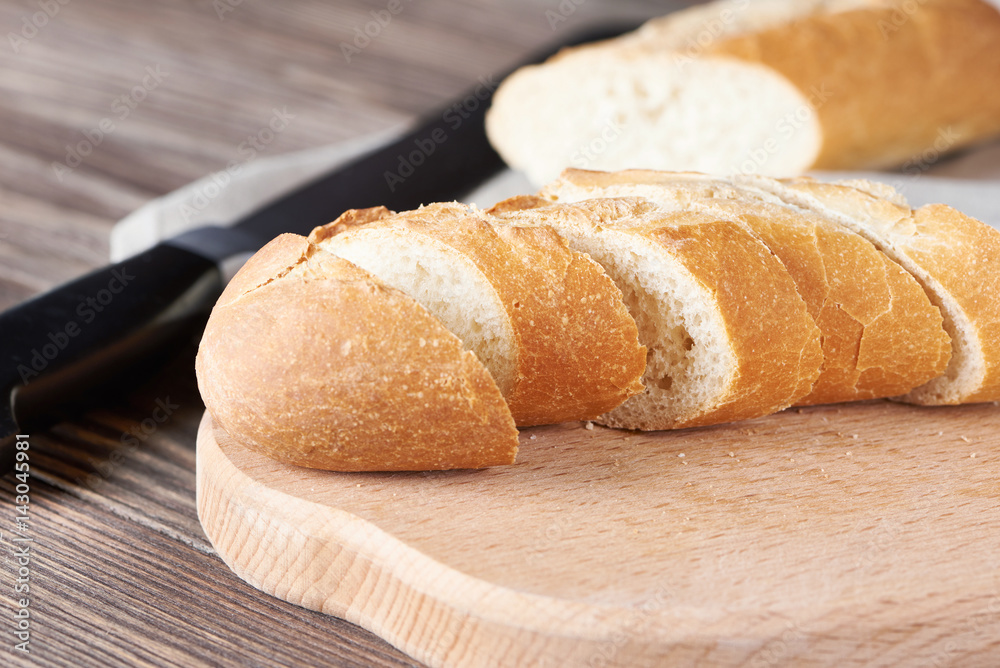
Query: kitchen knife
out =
(80, 340)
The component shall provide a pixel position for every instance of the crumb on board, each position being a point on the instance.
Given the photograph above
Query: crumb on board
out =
(532, 437)
(588, 425)
(972, 456)
(681, 454)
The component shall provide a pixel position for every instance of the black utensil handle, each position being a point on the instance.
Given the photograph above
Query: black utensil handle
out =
(63, 343)
(441, 159)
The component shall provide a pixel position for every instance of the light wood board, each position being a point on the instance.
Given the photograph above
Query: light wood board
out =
(862, 534)
(121, 573)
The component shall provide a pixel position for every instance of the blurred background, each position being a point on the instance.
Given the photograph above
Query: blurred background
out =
(163, 92)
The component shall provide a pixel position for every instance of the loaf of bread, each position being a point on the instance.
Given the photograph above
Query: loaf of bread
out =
(771, 87)
(881, 334)
(642, 300)
(953, 257)
(312, 361)
(545, 320)
(729, 337)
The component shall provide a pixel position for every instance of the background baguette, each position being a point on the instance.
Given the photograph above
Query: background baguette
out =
(729, 338)
(545, 320)
(772, 87)
(314, 362)
(881, 335)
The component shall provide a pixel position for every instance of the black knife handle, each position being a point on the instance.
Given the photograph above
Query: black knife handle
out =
(441, 159)
(63, 344)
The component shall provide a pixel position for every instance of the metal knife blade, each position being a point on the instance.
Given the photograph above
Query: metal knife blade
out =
(75, 342)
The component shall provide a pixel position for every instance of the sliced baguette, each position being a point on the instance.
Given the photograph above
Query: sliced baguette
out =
(881, 335)
(314, 362)
(761, 87)
(545, 320)
(729, 338)
(955, 258)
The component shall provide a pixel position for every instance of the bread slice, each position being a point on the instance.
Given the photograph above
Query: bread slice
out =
(729, 338)
(314, 362)
(955, 258)
(545, 320)
(764, 87)
(881, 335)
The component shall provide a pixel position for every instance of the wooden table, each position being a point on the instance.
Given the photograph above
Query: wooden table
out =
(108, 104)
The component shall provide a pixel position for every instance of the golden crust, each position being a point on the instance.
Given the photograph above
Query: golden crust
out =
(312, 361)
(970, 270)
(887, 81)
(882, 336)
(960, 257)
(348, 219)
(578, 353)
(906, 79)
(775, 342)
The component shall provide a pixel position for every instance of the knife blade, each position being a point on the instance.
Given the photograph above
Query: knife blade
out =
(80, 340)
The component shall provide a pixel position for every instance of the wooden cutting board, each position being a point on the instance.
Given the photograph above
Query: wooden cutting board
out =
(864, 534)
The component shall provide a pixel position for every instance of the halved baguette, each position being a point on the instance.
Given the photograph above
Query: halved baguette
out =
(312, 361)
(955, 258)
(881, 335)
(761, 87)
(729, 337)
(545, 320)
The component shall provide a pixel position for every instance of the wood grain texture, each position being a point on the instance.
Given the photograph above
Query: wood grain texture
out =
(220, 80)
(109, 591)
(125, 574)
(857, 535)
